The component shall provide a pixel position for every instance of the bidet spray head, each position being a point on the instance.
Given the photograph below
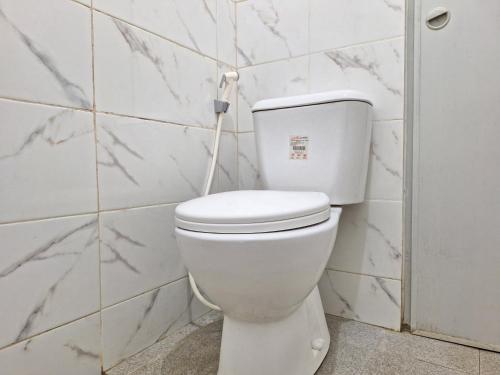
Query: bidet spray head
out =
(229, 76)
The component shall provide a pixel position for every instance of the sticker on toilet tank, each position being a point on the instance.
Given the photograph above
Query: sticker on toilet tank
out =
(299, 147)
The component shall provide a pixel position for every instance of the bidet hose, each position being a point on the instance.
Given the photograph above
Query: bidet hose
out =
(228, 79)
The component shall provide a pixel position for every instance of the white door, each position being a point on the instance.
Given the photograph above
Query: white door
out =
(456, 177)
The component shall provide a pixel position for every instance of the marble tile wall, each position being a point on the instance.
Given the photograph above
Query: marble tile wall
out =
(322, 45)
(106, 124)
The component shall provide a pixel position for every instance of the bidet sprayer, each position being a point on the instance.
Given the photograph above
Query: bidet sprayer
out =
(229, 76)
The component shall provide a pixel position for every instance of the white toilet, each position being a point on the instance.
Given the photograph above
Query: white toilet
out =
(260, 254)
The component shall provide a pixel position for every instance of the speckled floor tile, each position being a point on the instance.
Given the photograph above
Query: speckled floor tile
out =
(152, 368)
(345, 359)
(143, 363)
(490, 363)
(205, 343)
(349, 332)
(356, 349)
(441, 353)
(384, 363)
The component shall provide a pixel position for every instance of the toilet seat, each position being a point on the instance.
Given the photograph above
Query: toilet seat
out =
(253, 211)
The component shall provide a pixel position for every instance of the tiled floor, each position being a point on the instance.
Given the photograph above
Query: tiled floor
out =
(356, 349)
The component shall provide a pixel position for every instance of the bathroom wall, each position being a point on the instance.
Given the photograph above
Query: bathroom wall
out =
(321, 45)
(106, 123)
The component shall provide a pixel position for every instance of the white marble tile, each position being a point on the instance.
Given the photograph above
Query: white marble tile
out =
(46, 57)
(248, 166)
(271, 30)
(143, 75)
(49, 275)
(47, 161)
(138, 252)
(385, 172)
(230, 120)
(190, 23)
(369, 240)
(363, 298)
(71, 349)
(144, 162)
(339, 23)
(228, 162)
(281, 78)
(135, 324)
(226, 32)
(377, 69)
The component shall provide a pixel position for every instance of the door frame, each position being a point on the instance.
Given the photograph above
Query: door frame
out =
(410, 106)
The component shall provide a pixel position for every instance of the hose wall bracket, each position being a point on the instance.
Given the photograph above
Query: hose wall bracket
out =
(220, 106)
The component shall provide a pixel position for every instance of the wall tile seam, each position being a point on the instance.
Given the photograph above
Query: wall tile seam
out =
(363, 274)
(90, 213)
(128, 299)
(236, 38)
(45, 218)
(214, 59)
(96, 148)
(157, 122)
(309, 46)
(97, 112)
(217, 42)
(72, 321)
(318, 52)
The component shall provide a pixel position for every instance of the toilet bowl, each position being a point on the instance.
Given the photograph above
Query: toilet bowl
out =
(259, 256)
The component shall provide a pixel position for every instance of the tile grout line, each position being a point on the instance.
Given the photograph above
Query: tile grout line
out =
(105, 13)
(348, 46)
(88, 213)
(309, 46)
(72, 321)
(94, 119)
(144, 292)
(461, 372)
(97, 112)
(362, 274)
(237, 155)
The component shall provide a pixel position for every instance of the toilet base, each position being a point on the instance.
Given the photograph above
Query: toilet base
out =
(294, 345)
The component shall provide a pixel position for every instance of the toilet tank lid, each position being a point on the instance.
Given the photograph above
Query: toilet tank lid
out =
(310, 99)
(252, 206)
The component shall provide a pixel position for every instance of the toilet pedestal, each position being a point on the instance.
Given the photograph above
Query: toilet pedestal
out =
(294, 345)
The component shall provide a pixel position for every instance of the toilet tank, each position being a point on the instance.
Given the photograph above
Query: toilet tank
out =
(316, 142)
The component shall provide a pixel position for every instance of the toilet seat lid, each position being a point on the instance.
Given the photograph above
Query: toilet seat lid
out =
(253, 211)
